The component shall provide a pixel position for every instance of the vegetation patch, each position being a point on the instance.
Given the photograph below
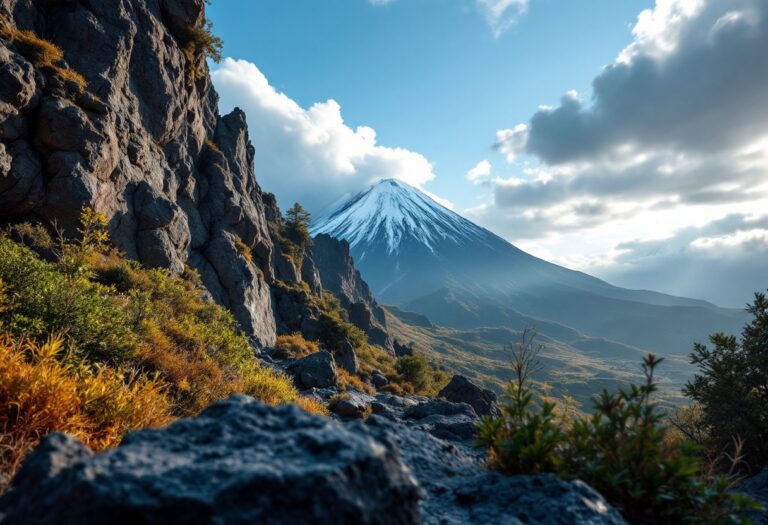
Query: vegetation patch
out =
(41, 391)
(294, 346)
(621, 450)
(37, 50)
(96, 345)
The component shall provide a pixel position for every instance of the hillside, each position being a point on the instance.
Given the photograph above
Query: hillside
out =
(422, 257)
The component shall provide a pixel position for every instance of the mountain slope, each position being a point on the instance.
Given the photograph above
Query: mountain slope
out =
(417, 254)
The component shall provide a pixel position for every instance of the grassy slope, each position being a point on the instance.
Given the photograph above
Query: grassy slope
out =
(580, 367)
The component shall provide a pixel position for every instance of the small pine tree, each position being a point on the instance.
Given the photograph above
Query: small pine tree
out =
(297, 226)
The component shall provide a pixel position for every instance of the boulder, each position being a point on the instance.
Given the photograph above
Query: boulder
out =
(238, 462)
(317, 370)
(460, 490)
(378, 379)
(346, 358)
(351, 405)
(462, 390)
(444, 419)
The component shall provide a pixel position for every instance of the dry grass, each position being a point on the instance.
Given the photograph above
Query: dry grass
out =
(37, 50)
(347, 380)
(313, 406)
(244, 249)
(40, 394)
(70, 75)
(294, 345)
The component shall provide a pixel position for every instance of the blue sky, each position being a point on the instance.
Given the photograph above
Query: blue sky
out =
(428, 75)
(628, 139)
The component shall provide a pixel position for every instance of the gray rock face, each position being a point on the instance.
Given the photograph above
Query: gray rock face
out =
(238, 462)
(351, 405)
(459, 490)
(378, 379)
(143, 144)
(243, 462)
(462, 390)
(346, 358)
(317, 370)
(339, 276)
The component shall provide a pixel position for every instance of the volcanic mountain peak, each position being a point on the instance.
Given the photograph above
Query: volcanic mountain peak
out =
(394, 211)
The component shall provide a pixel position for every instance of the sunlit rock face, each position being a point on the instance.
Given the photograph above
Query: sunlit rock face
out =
(141, 142)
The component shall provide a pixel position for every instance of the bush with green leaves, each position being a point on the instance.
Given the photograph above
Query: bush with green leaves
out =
(620, 450)
(731, 389)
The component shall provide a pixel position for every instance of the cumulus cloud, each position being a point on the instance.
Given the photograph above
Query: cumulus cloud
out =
(480, 172)
(674, 136)
(310, 155)
(727, 255)
(694, 80)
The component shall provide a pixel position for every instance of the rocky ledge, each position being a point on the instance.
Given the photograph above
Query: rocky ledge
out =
(243, 462)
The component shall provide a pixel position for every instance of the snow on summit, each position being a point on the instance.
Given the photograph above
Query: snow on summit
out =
(392, 211)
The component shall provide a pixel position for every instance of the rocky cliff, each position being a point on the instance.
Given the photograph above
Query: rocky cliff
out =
(138, 138)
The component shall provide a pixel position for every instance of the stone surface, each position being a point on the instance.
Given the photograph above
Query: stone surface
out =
(238, 462)
(459, 490)
(346, 358)
(317, 370)
(339, 276)
(243, 462)
(351, 405)
(378, 379)
(143, 144)
(462, 390)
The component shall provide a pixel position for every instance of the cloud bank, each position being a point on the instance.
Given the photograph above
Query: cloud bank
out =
(310, 155)
(675, 134)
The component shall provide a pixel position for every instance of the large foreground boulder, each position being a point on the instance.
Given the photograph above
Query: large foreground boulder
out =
(243, 462)
(238, 462)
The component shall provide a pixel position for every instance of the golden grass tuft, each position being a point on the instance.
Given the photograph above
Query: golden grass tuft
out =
(313, 406)
(40, 394)
(347, 380)
(70, 75)
(294, 345)
(37, 50)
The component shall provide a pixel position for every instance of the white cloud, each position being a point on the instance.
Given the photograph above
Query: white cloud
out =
(310, 155)
(380, 2)
(675, 136)
(502, 14)
(480, 173)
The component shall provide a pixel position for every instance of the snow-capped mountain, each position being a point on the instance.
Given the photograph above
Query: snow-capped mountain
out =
(417, 254)
(396, 213)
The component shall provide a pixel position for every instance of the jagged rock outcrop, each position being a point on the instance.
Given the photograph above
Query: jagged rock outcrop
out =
(141, 142)
(243, 462)
(462, 390)
(339, 276)
(238, 462)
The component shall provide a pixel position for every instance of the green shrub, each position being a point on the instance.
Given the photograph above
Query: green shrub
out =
(730, 389)
(202, 42)
(424, 376)
(56, 297)
(620, 450)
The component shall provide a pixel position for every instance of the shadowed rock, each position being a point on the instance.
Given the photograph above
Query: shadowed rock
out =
(462, 390)
(238, 462)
